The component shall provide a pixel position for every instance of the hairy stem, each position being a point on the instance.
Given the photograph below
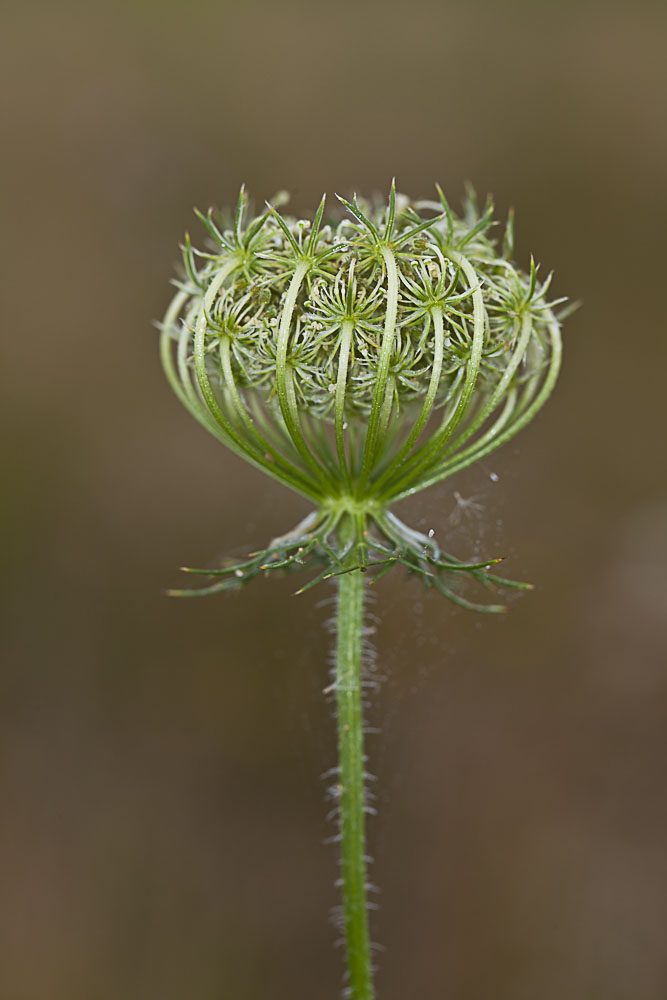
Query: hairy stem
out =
(350, 788)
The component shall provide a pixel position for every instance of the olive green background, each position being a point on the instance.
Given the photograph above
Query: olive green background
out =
(162, 813)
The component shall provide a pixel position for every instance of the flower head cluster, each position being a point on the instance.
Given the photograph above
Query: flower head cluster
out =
(358, 359)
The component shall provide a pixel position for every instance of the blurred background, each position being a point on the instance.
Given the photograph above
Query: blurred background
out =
(162, 809)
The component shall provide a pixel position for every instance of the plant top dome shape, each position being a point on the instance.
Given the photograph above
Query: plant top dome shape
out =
(359, 360)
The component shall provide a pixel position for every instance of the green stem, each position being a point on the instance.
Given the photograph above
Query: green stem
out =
(351, 788)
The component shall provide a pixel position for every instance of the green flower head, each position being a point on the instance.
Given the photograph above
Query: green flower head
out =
(359, 359)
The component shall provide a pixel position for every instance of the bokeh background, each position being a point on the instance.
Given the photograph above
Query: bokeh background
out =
(162, 811)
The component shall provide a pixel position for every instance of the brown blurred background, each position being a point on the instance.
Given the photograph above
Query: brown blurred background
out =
(162, 812)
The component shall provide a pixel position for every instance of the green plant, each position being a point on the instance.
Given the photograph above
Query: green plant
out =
(357, 362)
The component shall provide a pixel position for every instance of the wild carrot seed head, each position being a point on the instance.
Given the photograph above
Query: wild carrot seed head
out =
(367, 355)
